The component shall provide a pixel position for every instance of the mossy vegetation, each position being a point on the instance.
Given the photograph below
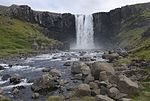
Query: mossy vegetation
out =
(59, 98)
(18, 36)
(131, 35)
(3, 98)
(144, 94)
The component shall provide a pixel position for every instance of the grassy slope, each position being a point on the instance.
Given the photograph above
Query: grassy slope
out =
(131, 35)
(17, 36)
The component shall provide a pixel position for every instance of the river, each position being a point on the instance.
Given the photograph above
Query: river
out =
(31, 68)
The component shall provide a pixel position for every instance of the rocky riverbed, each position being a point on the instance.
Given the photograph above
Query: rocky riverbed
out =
(72, 73)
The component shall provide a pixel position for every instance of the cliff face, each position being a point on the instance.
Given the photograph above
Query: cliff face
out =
(107, 25)
(57, 26)
(110, 28)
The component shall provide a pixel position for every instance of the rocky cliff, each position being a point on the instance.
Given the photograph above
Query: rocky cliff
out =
(117, 27)
(107, 25)
(57, 26)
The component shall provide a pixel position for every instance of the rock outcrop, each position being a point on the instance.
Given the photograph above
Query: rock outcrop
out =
(45, 84)
(125, 84)
(54, 25)
(98, 67)
(107, 25)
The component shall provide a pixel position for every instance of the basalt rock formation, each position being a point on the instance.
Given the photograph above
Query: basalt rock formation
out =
(110, 28)
(54, 25)
(107, 25)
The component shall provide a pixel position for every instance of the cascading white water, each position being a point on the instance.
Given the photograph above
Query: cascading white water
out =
(84, 32)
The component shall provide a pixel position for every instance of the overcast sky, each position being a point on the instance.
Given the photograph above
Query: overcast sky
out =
(73, 6)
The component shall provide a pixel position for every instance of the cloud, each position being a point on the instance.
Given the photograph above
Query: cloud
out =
(73, 6)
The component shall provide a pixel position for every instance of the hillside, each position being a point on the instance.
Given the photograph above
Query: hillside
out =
(18, 37)
(135, 33)
(126, 27)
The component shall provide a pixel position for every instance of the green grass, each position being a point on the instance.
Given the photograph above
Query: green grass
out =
(130, 35)
(144, 94)
(18, 36)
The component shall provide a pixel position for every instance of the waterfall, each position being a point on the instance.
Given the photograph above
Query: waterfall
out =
(84, 32)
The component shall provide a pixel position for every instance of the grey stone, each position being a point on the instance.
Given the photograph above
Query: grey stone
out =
(45, 83)
(103, 98)
(78, 76)
(125, 84)
(15, 79)
(97, 67)
(55, 72)
(15, 91)
(83, 90)
(35, 95)
(113, 92)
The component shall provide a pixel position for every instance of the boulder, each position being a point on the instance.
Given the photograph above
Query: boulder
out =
(88, 78)
(55, 72)
(35, 95)
(85, 70)
(76, 67)
(103, 76)
(80, 67)
(15, 79)
(103, 98)
(5, 77)
(110, 57)
(83, 90)
(113, 92)
(93, 85)
(78, 76)
(15, 91)
(68, 63)
(124, 84)
(46, 70)
(63, 82)
(45, 83)
(120, 96)
(102, 83)
(104, 90)
(97, 67)
(85, 59)
(1, 67)
(95, 92)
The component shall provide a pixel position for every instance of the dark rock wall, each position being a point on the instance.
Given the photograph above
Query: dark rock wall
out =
(55, 25)
(108, 24)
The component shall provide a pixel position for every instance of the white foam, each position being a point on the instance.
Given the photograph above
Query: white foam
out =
(39, 57)
(23, 83)
(20, 84)
(20, 68)
(3, 82)
(4, 65)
